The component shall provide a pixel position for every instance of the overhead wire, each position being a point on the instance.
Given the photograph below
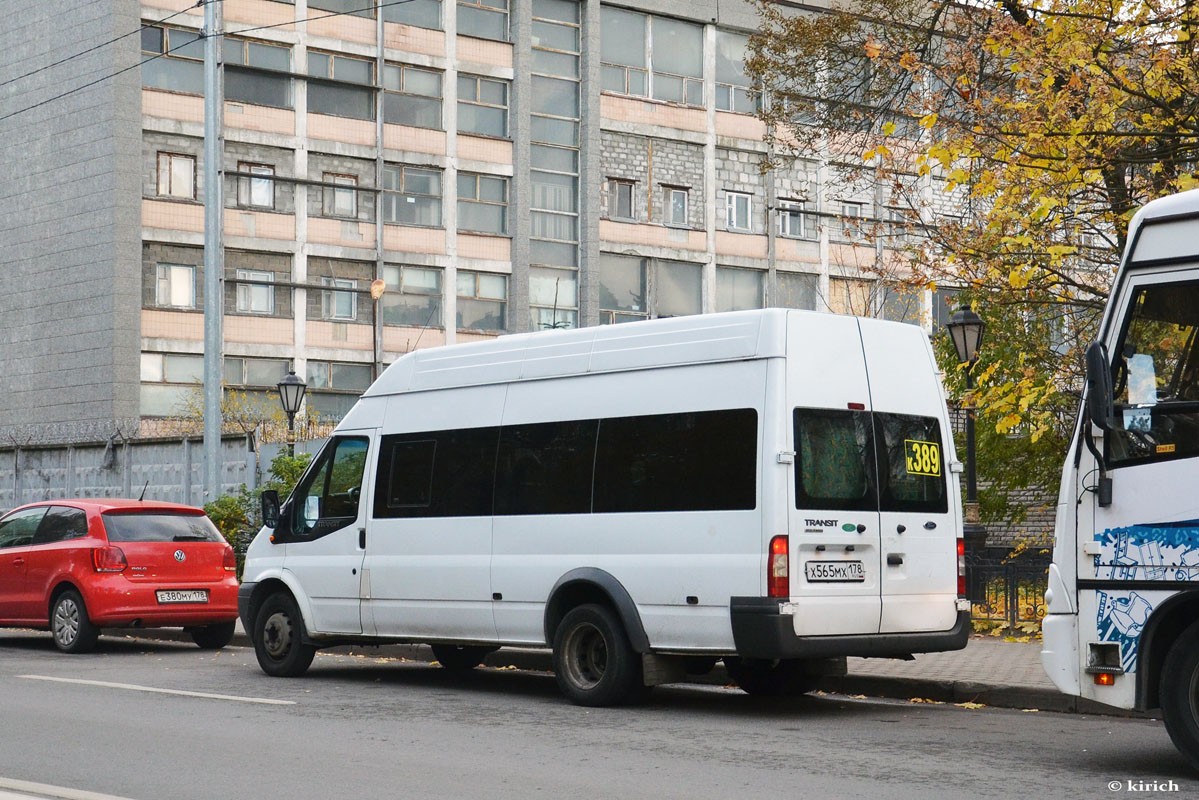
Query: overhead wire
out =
(238, 32)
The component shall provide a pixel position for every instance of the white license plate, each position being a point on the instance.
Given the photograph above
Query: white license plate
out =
(834, 571)
(183, 596)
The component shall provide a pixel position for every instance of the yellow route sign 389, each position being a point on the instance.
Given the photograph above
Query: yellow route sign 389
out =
(923, 458)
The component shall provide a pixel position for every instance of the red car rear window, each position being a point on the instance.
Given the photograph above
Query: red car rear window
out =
(161, 526)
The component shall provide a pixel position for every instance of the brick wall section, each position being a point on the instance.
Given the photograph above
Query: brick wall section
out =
(284, 163)
(278, 265)
(361, 271)
(69, 214)
(154, 143)
(652, 163)
(154, 254)
(741, 171)
(321, 163)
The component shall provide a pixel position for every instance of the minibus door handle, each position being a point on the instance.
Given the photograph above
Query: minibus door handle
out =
(894, 559)
(362, 538)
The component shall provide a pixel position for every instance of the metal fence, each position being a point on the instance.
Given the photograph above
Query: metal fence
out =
(1007, 587)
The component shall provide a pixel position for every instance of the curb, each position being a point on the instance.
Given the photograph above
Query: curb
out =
(1030, 698)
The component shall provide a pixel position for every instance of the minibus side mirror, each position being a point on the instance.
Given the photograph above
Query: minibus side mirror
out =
(1099, 386)
(270, 508)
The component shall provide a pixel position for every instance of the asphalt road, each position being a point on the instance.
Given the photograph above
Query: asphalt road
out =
(358, 727)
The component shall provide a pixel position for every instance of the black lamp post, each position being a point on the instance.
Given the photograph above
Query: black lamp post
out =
(966, 329)
(291, 395)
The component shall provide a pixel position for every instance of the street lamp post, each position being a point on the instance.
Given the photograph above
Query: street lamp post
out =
(966, 329)
(291, 395)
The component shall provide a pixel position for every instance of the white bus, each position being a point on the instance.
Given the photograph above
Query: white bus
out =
(1122, 626)
(774, 488)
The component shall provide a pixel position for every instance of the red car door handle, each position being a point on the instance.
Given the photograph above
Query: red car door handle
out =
(18, 562)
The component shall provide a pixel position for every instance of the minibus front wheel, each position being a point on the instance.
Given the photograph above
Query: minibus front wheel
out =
(279, 638)
(593, 661)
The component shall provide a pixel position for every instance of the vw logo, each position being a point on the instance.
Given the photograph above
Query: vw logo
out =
(179, 555)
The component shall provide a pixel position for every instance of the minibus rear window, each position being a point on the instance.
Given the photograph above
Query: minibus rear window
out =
(912, 463)
(833, 451)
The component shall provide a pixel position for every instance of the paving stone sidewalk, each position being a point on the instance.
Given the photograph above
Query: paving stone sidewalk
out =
(990, 671)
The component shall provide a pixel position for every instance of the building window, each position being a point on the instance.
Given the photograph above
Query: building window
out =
(418, 13)
(177, 176)
(339, 376)
(482, 203)
(733, 87)
(795, 290)
(254, 295)
(553, 297)
(355, 7)
(651, 56)
(169, 382)
(739, 289)
(255, 371)
(412, 96)
(482, 301)
(850, 296)
(620, 199)
(737, 211)
(675, 206)
(340, 305)
(339, 202)
(177, 60)
(898, 223)
(255, 187)
(175, 286)
(257, 73)
(411, 195)
(341, 86)
(634, 288)
(851, 220)
(483, 19)
(794, 222)
(413, 296)
(482, 106)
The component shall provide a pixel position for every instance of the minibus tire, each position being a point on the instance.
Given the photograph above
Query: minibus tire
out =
(213, 637)
(593, 661)
(1180, 694)
(70, 625)
(460, 658)
(279, 638)
(763, 677)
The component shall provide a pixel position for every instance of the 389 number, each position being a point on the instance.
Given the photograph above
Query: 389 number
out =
(923, 458)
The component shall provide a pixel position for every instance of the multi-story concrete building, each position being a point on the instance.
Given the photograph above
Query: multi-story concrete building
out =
(501, 165)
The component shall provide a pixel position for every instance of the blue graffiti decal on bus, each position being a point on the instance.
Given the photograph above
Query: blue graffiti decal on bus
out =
(1163, 551)
(1121, 619)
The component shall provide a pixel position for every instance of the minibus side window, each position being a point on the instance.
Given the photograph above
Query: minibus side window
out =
(1156, 377)
(911, 463)
(326, 500)
(696, 461)
(545, 468)
(833, 453)
(437, 474)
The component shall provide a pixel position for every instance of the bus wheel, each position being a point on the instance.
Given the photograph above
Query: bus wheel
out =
(1180, 694)
(764, 677)
(593, 661)
(460, 658)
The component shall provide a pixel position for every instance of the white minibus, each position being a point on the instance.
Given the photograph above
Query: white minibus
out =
(773, 488)
(1122, 623)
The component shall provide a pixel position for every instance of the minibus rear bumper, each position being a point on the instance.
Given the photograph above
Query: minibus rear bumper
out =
(761, 631)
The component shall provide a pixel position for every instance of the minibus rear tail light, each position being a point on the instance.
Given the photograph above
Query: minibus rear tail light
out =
(109, 559)
(961, 567)
(230, 560)
(778, 571)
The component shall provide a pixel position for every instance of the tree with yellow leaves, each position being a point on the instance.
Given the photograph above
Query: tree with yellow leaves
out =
(1016, 139)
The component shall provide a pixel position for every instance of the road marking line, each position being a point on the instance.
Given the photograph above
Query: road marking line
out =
(135, 688)
(32, 791)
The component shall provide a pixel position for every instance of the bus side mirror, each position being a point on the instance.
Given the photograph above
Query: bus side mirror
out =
(270, 508)
(1100, 407)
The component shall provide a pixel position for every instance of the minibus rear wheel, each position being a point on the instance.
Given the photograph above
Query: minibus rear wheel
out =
(1180, 694)
(593, 661)
(764, 677)
(279, 638)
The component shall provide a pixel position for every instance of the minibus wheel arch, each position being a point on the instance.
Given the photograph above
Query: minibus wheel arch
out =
(592, 585)
(1162, 629)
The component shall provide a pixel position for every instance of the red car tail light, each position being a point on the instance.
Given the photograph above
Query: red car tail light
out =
(778, 581)
(230, 559)
(109, 559)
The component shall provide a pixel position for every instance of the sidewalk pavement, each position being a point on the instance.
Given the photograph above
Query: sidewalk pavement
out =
(989, 671)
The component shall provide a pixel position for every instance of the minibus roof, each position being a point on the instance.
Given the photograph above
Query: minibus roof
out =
(702, 338)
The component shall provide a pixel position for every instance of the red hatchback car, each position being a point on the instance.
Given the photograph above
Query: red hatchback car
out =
(75, 566)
